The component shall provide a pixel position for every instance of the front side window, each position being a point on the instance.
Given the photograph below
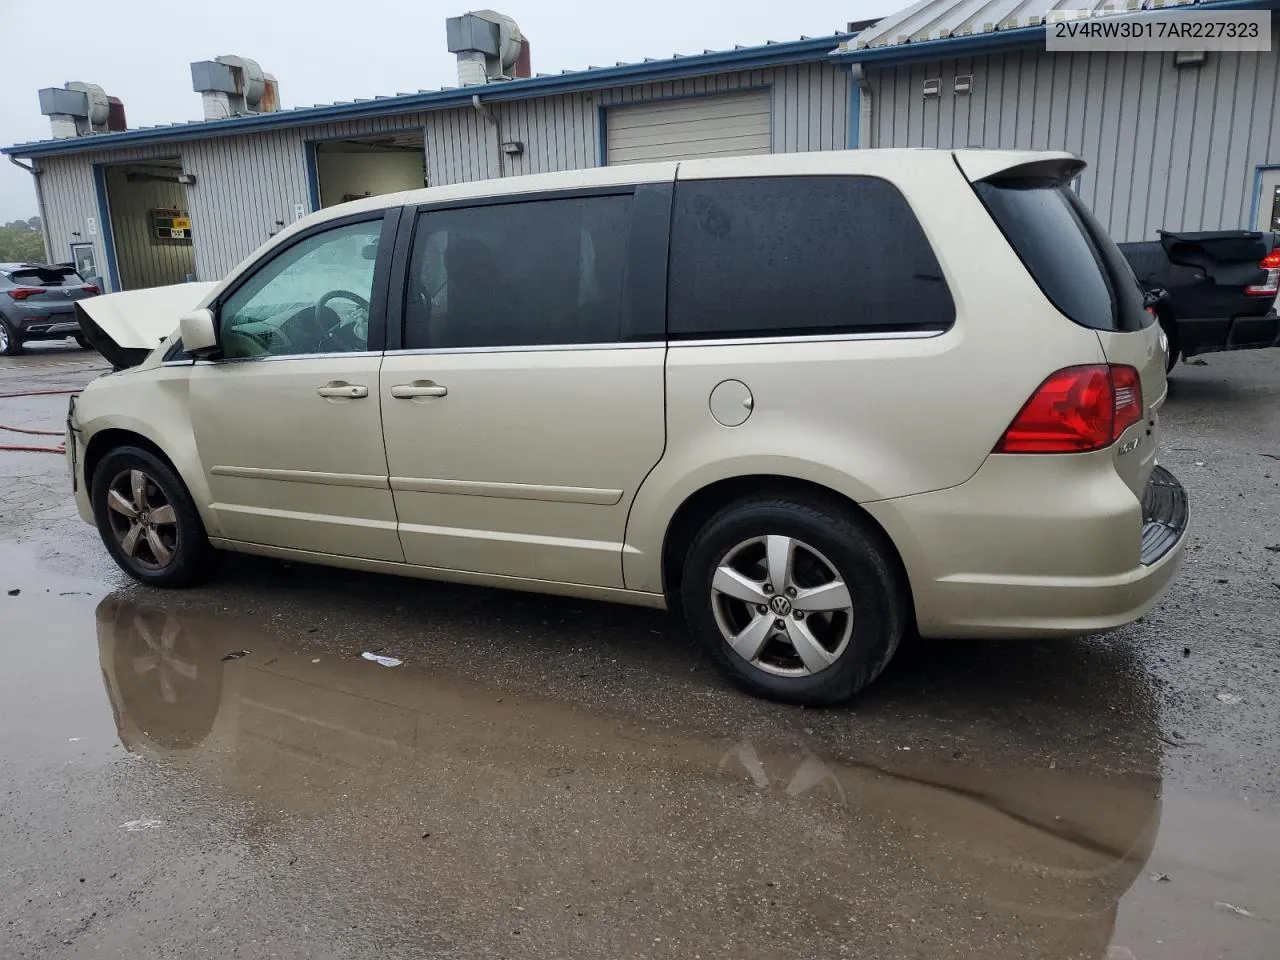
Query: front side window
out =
(312, 298)
(542, 272)
(798, 256)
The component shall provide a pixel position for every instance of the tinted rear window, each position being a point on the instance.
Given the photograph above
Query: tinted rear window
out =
(786, 256)
(46, 277)
(1067, 252)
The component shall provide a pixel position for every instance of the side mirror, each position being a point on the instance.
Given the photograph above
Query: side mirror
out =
(199, 335)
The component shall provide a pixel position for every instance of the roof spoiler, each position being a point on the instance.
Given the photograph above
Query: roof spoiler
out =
(1039, 164)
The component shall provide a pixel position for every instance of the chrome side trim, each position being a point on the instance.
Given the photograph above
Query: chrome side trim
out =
(507, 491)
(605, 548)
(302, 476)
(815, 338)
(528, 348)
(286, 356)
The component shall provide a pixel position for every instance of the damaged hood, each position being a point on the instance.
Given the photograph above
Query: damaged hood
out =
(126, 327)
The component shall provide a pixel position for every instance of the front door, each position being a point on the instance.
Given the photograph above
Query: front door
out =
(286, 420)
(526, 405)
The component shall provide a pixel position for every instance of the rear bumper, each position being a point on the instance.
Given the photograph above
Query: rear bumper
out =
(57, 325)
(1038, 547)
(1245, 332)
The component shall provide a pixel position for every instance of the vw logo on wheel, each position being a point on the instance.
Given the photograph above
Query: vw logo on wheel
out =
(780, 605)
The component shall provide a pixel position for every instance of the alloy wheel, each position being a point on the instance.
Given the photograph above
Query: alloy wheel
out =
(143, 520)
(782, 606)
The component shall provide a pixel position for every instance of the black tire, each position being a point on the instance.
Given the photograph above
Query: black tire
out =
(10, 345)
(1171, 332)
(834, 535)
(191, 557)
(81, 341)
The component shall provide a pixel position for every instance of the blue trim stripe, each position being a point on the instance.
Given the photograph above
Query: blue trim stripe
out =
(749, 58)
(602, 135)
(855, 113)
(313, 175)
(104, 225)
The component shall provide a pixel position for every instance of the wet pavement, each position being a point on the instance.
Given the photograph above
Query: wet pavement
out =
(218, 773)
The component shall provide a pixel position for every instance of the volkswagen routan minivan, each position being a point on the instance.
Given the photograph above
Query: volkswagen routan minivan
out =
(811, 402)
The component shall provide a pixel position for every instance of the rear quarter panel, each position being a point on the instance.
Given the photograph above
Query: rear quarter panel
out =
(872, 419)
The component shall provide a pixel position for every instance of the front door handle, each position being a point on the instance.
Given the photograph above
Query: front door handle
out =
(419, 388)
(341, 390)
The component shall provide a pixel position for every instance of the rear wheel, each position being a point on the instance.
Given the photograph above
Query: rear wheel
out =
(83, 343)
(1175, 347)
(9, 342)
(794, 599)
(147, 520)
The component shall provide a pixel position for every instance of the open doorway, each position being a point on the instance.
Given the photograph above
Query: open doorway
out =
(150, 227)
(351, 169)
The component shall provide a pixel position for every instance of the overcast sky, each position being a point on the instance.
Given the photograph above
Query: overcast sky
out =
(325, 50)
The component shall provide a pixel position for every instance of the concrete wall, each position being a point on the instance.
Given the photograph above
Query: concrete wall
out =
(366, 172)
(1168, 148)
(145, 260)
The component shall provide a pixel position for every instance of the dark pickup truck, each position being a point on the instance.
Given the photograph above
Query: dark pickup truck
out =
(1211, 291)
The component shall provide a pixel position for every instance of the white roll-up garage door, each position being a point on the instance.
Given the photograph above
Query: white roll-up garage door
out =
(720, 125)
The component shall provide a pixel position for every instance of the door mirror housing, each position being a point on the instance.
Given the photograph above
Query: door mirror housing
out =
(199, 333)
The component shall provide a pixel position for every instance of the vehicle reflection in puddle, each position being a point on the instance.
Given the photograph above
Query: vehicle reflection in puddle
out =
(421, 789)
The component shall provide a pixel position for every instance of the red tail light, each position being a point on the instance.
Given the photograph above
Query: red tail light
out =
(1271, 264)
(1076, 410)
(91, 289)
(21, 293)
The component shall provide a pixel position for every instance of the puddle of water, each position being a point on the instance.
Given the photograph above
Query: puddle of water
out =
(396, 791)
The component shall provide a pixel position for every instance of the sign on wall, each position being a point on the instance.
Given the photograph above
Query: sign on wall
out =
(171, 225)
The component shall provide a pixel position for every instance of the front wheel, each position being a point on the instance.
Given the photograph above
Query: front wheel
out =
(148, 521)
(794, 599)
(81, 342)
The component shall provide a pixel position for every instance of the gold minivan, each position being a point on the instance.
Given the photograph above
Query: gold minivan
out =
(812, 401)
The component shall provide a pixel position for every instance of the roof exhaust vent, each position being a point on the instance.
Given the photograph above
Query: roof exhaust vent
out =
(231, 86)
(489, 47)
(81, 110)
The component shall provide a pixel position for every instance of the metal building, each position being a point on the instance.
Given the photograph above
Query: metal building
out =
(235, 181)
(1179, 143)
(1173, 142)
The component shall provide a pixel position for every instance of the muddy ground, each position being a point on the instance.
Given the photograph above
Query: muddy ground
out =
(554, 778)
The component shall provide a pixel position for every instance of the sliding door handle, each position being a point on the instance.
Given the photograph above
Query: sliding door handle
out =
(419, 388)
(341, 390)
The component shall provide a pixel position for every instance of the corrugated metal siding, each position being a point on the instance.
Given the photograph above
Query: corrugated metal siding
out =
(1168, 148)
(712, 125)
(247, 185)
(145, 261)
(66, 184)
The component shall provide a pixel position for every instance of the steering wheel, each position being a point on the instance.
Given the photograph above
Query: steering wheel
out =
(332, 326)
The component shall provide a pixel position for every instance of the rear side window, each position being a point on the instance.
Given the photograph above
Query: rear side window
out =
(46, 277)
(543, 272)
(1066, 251)
(789, 256)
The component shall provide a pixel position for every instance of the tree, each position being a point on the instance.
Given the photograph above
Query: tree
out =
(22, 241)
